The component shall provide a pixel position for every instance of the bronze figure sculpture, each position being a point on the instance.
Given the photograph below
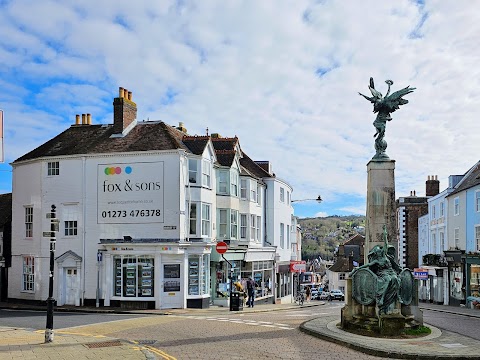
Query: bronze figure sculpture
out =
(384, 106)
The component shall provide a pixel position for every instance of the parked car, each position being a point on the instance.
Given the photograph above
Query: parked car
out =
(314, 294)
(323, 295)
(337, 295)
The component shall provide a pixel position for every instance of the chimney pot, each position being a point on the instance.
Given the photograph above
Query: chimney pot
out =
(125, 93)
(89, 119)
(414, 193)
(84, 119)
(428, 177)
(130, 95)
(120, 92)
(77, 119)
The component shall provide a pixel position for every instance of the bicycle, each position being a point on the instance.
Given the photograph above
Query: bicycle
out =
(300, 298)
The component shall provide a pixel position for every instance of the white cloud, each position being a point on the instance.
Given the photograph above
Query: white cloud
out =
(283, 77)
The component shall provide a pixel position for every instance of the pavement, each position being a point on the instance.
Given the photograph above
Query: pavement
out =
(24, 343)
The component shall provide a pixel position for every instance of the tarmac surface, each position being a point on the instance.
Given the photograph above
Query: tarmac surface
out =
(24, 343)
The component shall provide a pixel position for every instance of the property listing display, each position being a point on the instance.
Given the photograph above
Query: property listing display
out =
(130, 193)
(171, 274)
(198, 266)
(133, 276)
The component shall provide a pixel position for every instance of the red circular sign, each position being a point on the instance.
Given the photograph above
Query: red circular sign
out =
(222, 247)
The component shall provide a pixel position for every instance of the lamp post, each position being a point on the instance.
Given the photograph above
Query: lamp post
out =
(51, 300)
(318, 199)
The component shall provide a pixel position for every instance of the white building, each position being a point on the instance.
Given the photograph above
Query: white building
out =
(140, 206)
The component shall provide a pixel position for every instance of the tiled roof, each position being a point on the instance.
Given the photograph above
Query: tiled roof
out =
(356, 239)
(196, 144)
(5, 208)
(471, 179)
(225, 157)
(341, 265)
(95, 139)
(224, 143)
(253, 168)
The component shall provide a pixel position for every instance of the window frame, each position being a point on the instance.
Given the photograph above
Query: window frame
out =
(477, 200)
(282, 236)
(243, 189)
(442, 209)
(206, 173)
(243, 227)
(222, 182)
(456, 237)
(253, 230)
(70, 228)
(192, 173)
(233, 224)
(282, 194)
(222, 223)
(456, 206)
(206, 218)
(258, 227)
(28, 273)
(29, 221)
(53, 168)
(477, 237)
(233, 184)
(193, 219)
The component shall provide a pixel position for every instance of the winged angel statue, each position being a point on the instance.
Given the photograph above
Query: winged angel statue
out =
(384, 106)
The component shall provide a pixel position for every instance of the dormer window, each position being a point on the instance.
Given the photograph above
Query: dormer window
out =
(53, 168)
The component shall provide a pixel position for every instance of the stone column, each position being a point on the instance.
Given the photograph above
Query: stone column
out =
(381, 208)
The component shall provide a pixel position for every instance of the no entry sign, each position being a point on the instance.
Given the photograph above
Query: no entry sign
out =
(222, 247)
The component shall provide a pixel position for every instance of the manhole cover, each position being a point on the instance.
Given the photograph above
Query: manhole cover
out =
(104, 344)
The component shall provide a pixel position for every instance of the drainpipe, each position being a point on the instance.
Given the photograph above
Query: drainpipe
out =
(84, 208)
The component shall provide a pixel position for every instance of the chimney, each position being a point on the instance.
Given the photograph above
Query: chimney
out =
(124, 110)
(84, 119)
(432, 186)
(181, 127)
(216, 136)
(89, 119)
(77, 119)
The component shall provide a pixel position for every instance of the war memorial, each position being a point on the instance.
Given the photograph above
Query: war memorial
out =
(380, 296)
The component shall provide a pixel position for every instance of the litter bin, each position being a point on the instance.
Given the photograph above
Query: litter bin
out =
(236, 301)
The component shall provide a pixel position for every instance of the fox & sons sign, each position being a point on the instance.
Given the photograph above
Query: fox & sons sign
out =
(130, 193)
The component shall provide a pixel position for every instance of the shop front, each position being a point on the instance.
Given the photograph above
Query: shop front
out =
(456, 278)
(156, 277)
(241, 265)
(472, 265)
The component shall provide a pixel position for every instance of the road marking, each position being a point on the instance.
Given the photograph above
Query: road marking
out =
(164, 355)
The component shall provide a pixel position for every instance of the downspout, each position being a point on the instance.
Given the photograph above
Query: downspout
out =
(84, 207)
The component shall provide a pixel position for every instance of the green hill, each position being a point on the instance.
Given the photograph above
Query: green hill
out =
(321, 236)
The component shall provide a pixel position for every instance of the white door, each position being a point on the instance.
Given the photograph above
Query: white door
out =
(171, 292)
(71, 286)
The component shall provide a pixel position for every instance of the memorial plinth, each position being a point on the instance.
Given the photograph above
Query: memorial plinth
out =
(380, 203)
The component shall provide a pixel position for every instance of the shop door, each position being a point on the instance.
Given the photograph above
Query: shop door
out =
(71, 286)
(172, 292)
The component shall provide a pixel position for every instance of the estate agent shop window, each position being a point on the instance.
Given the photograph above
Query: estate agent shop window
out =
(133, 275)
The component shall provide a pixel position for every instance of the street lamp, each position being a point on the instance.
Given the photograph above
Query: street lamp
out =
(318, 199)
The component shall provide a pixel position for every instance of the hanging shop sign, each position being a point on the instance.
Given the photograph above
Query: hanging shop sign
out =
(298, 266)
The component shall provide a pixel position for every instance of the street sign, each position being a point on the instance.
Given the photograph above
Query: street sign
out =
(221, 247)
(298, 266)
(99, 256)
(54, 220)
(49, 234)
(421, 274)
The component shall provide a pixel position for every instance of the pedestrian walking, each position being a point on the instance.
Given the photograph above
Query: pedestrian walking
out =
(251, 292)
(308, 293)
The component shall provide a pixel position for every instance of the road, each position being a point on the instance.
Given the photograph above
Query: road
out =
(221, 335)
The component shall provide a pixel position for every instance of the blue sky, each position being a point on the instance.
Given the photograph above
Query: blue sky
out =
(283, 76)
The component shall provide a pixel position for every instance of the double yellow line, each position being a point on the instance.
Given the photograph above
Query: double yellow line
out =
(159, 352)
